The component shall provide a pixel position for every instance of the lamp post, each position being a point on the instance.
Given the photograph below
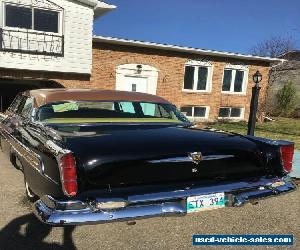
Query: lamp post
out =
(257, 77)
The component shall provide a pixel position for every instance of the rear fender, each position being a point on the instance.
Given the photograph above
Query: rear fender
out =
(271, 150)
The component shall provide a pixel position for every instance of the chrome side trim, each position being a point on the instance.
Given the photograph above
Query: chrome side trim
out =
(3, 135)
(22, 156)
(55, 148)
(78, 212)
(23, 151)
(2, 116)
(188, 159)
(216, 157)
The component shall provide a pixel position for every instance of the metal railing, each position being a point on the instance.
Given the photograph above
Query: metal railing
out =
(31, 42)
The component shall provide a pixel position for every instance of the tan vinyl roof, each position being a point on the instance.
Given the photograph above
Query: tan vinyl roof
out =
(44, 96)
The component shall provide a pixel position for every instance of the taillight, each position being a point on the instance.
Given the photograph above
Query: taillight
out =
(68, 174)
(287, 154)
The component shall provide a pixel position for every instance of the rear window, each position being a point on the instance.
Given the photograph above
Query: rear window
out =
(108, 111)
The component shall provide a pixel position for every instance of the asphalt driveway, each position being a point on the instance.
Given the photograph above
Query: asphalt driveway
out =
(20, 230)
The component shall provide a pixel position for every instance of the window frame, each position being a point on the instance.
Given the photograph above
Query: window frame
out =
(196, 66)
(241, 117)
(207, 109)
(234, 69)
(59, 21)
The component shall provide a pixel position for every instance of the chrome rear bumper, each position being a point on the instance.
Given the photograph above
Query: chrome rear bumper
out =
(60, 213)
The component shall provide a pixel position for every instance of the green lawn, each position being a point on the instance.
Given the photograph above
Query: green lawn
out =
(282, 128)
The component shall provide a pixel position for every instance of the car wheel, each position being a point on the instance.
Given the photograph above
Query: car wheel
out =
(31, 196)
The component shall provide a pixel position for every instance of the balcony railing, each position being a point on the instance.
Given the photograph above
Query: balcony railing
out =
(31, 42)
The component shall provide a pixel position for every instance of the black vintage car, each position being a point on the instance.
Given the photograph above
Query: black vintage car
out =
(92, 156)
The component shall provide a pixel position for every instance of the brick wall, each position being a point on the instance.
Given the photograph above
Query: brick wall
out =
(106, 57)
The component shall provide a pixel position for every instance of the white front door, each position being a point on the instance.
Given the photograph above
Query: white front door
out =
(135, 84)
(127, 78)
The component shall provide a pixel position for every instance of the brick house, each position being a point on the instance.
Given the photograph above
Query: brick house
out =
(205, 84)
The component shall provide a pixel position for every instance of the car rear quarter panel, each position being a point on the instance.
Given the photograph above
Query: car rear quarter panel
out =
(27, 142)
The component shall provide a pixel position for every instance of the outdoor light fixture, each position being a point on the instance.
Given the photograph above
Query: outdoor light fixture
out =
(257, 77)
(139, 68)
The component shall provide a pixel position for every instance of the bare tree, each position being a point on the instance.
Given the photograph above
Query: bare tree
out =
(274, 46)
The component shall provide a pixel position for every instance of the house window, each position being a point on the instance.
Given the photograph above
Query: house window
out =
(234, 81)
(231, 112)
(46, 20)
(197, 78)
(195, 111)
(23, 14)
(31, 18)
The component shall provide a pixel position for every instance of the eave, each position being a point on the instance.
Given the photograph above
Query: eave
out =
(100, 8)
(169, 47)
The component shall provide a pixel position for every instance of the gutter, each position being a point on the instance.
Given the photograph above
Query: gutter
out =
(89, 2)
(100, 8)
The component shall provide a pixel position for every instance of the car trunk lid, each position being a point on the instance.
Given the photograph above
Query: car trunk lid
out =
(117, 156)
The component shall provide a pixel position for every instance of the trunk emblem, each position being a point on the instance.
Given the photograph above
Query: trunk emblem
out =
(195, 157)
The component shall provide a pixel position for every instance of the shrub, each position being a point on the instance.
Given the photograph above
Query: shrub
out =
(286, 99)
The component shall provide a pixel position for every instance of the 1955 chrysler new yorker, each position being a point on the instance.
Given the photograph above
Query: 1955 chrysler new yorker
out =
(92, 156)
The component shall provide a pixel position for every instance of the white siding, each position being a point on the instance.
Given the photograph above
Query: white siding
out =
(77, 29)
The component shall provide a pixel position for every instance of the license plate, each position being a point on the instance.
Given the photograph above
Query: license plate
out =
(205, 202)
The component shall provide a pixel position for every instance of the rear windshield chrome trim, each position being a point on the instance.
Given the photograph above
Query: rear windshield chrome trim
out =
(182, 124)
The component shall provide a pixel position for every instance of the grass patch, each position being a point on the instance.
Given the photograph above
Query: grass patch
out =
(281, 129)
